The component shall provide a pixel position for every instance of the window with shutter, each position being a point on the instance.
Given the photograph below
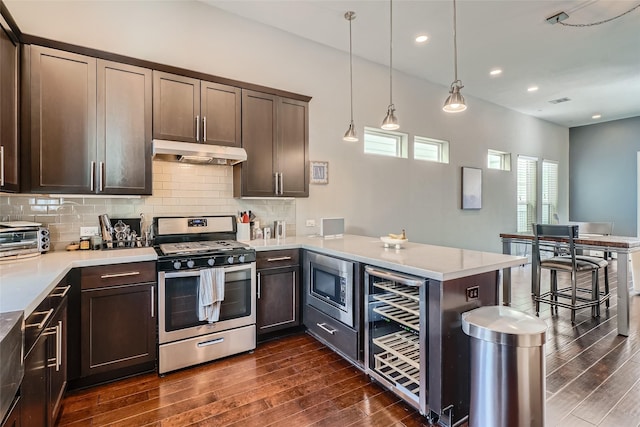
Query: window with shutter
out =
(526, 193)
(549, 192)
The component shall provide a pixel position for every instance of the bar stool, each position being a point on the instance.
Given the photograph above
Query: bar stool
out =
(571, 263)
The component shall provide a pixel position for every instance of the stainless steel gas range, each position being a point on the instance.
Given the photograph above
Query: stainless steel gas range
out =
(206, 291)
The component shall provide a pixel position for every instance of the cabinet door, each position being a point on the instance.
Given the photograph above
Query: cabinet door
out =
(124, 129)
(293, 147)
(220, 107)
(118, 327)
(33, 390)
(278, 299)
(176, 107)
(63, 121)
(9, 148)
(57, 367)
(258, 139)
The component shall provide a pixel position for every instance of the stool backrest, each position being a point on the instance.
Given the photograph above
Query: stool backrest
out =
(569, 232)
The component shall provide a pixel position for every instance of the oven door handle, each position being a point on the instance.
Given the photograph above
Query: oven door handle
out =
(196, 272)
(395, 277)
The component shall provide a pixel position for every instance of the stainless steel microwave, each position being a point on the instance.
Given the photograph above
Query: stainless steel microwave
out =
(329, 286)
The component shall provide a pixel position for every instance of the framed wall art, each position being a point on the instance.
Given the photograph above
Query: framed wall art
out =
(471, 188)
(319, 173)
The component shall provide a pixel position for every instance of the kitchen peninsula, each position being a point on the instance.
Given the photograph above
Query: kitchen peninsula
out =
(449, 273)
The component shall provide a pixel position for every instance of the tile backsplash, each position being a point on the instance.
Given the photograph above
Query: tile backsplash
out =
(178, 190)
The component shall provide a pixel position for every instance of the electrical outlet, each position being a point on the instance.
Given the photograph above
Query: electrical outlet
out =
(89, 231)
(311, 223)
(473, 293)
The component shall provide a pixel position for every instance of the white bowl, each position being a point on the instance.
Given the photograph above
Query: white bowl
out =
(391, 241)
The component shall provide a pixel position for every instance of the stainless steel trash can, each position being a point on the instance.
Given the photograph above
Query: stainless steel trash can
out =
(507, 367)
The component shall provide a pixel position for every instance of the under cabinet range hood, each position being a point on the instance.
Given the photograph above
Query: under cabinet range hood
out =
(189, 152)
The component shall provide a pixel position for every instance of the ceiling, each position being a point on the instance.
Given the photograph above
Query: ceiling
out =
(597, 67)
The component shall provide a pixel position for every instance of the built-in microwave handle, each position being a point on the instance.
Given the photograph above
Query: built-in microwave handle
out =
(324, 328)
(395, 277)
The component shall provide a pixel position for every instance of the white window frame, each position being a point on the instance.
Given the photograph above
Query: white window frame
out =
(504, 160)
(549, 192)
(441, 146)
(526, 193)
(398, 148)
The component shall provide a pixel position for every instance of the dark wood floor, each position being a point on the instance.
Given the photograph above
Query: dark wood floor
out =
(593, 379)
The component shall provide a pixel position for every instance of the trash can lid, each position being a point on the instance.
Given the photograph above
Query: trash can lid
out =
(504, 325)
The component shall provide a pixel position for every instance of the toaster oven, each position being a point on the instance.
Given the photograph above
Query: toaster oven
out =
(21, 239)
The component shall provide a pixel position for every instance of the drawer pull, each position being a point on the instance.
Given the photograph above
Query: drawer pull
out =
(324, 327)
(64, 292)
(280, 258)
(44, 321)
(212, 342)
(111, 276)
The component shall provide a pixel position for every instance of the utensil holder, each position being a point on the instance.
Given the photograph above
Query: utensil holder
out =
(243, 233)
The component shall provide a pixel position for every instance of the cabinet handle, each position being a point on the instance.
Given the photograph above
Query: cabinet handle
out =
(280, 258)
(259, 285)
(111, 276)
(198, 127)
(152, 302)
(64, 292)
(324, 327)
(59, 345)
(212, 342)
(44, 321)
(204, 128)
(1, 165)
(93, 176)
(277, 183)
(101, 176)
(281, 183)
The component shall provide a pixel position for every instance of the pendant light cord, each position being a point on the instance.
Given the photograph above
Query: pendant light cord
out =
(351, 66)
(455, 44)
(390, 52)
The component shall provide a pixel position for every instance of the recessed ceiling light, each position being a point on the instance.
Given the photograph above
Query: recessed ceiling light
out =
(495, 72)
(532, 88)
(422, 38)
(596, 116)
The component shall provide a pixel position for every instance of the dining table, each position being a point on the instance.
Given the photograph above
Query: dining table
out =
(622, 246)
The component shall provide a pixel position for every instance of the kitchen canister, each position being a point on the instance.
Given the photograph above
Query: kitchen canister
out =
(279, 229)
(244, 232)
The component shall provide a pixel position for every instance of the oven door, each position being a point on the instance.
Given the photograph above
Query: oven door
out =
(178, 302)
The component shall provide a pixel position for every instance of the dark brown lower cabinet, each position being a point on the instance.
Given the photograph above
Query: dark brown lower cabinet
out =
(278, 299)
(13, 417)
(118, 329)
(45, 364)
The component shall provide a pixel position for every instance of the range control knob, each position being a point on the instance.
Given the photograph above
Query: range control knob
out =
(190, 263)
(230, 260)
(177, 265)
(241, 258)
(211, 261)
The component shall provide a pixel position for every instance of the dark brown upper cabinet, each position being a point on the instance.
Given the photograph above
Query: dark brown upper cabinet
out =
(191, 110)
(9, 147)
(275, 134)
(89, 123)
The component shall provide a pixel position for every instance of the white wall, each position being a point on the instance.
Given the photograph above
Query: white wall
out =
(375, 195)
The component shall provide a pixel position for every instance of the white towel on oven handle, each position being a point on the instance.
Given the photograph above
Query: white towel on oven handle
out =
(210, 294)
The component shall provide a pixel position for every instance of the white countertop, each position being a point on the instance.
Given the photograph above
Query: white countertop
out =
(433, 262)
(25, 283)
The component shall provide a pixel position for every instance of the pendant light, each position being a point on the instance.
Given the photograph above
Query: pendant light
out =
(350, 135)
(390, 122)
(455, 101)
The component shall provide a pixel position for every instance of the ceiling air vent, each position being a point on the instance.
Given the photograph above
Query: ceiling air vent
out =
(559, 100)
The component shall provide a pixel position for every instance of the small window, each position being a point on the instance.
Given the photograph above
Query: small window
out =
(499, 160)
(385, 143)
(433, 150)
